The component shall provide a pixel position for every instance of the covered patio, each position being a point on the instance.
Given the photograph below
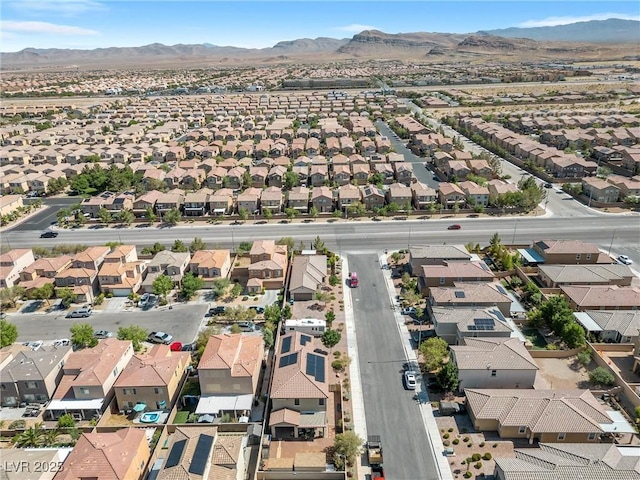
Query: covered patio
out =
(218, 405)
(79, 409)
(287, 423)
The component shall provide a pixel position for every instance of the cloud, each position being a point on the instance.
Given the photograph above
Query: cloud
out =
(554, 21)
(61, 7)
(356, 28)
(44, 28)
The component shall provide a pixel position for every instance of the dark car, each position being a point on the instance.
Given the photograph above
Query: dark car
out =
(548, 185)
(49, 234)
(454, 227)
(219, 310)
(257, 308)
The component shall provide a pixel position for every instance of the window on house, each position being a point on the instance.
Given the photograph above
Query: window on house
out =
(321, 402)
(32, 385)
(296, 401)
(592, 436)
(494, 373)
(588, 256)
(577, 256)
(562, 436)
(522, 430)
(84, 391)
(115, 372)
(156, 391)
(442, 280)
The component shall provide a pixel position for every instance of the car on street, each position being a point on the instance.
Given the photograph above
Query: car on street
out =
(548, 185)
(176, 347)
(34, 345)
(625, 260)
(49, 234)
(102, 334)
(62, 342)
(83, 312)
(410, 381)
(160, 337)
(219, 310)
(455, 226)
(247, 326)
(408, 311)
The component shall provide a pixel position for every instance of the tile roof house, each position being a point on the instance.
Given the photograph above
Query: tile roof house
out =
(467, 295)
(196, 204)
(423, 196)
(43, 271)
(322, 199)
(88, 378)
(619, 326)
(249, 200)
(32, 375)
(268, 265)
(572, 416)
(221, 201)
(476, 194)
(120, 455)
(493, 363)
(452, 324)
(373, 197)
(552, 276)
(450, 272)
(210, 264)
(550, 461)
(348, 195)
(153, 378)
(450, 194)
(300, 387)
(600, 190)
(567, 252)
(271, 198)
(400, 195)
(298, 199)
(308, 272)
(601, 297)
(171, 200)
(166, 262)
(436, 255)
(12, 264)
(146, 201)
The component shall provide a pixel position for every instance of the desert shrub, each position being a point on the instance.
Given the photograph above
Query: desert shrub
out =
(465, 439)
(495, 445)
(468, 475)
(481, 444)
(445, 436)
(475, 457)
(17, 425)
(478, 465)
(446, 443)
(584, 357)
(456, 441)
(487, 456)
(601, 376)
(450, 429)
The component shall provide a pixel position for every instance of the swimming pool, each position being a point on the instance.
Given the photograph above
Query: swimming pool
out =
(150, 417)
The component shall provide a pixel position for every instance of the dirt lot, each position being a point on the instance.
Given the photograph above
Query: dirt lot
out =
(563, 373)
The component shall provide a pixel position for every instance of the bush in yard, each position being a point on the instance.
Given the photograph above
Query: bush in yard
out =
(456, 441)
(468, 474)
(17, 425)
(465, 439)
(478, 465)
(445, 436)
(584, 357)
(450, 429)
(601, 376)
(66, 421)
(475, 457)
(487, 456)
(446, 443)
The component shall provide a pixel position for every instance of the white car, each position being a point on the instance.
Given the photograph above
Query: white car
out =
(625, 260)
(408, 311)
(62, 342)
(410, 381)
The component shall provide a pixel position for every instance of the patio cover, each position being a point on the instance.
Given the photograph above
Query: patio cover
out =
(619, 425)
(73, 404)
(530, 255)
(213, 404)
(587, 322)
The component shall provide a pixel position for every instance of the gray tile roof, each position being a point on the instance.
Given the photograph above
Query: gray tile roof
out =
(583, 274)
(445, 252)
(626, 322)
(499, 353)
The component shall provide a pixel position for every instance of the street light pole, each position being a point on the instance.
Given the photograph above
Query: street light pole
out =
(515, 226)
(611, 244)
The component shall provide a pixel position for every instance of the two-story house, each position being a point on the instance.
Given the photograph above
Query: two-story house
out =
(300, 387)
(196, 204)
(166, 262)
(146, 203)
(221, 202)
(43, 271)
(268, 266)
(298, 199)
(249, 200)
(348, 195)
(423, 196)
(210, 265)
(322, 199)
(12, 264)
(373, 197)
(566, 252)
(271, 198)
(121, 272)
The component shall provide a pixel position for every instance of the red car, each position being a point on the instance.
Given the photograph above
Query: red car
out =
(454, 227)
(176, 347)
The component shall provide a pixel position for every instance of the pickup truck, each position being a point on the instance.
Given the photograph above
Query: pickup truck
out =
(374, 455)
(160, 337)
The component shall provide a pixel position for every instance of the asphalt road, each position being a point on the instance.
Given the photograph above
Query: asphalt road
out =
(47, 216)
(391, 411)
(182, 321)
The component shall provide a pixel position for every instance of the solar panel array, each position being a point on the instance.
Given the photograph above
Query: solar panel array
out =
(287, 360)
(501, 289)
(175, 454)
(286, 345)
(483, 324)
(201, 455)
(459, 294)
(315, 366)
(304, 339)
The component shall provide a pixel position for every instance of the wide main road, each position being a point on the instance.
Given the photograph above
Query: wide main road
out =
(391, 411)
(619, 233)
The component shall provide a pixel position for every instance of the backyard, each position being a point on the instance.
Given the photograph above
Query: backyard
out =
(536, 339)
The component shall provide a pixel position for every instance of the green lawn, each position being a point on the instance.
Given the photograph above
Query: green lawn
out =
(181, 417)
(535, 337)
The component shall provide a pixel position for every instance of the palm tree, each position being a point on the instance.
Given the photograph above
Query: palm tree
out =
(31, 437)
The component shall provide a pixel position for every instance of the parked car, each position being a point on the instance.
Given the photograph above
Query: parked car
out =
(34, 345)
(49, 234)
(410, 381)
(247, 326)
(83, 312)
(548, 185)
(408, 311)
(176, 347)
(219, 310)
(160, 337)
(62, 342)
(189, 347)
(147, 300)
(102, 334)
(257, 308)
(455, 226)
(624, 260)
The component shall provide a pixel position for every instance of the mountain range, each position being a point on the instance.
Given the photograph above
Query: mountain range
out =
(600, 39)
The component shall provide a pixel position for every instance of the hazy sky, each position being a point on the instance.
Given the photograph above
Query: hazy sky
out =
(124, 23)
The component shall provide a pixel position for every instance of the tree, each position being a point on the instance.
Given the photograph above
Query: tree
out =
(447, 377)
(66, 296)
(330, 317)
(291, 179)
(313, 212)
(288, 241)
(162, 285)
(318, 244)
(245, 247)
(157, 247)
(323, 297)
(45, 292)
(267, 337)
(190, 285)
(9, 296)
(573, 335)
(348, 445)
(126, 217)
(236, 290)
(135, 333)
(150, 214)
(268, 214)
(179, 246)
(601, 376)
(243, 213)
(495, 244)
(219, 286)
(172, 217)
(396, 257)
(197, 244)
(330, 338)
(80, 219)
(204, 335)
(272, 314)
(286, 312)
(82, 335)
(433, 351)
(291, 213)
(66, 421)
(8, 333)
(30, 438)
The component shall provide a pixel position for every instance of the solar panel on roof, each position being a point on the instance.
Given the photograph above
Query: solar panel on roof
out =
(501, 290)
(315, 366)
(304, 339)
(286, 345)
(201, 455)
(175, 454)
(288, 360)
(459, 294)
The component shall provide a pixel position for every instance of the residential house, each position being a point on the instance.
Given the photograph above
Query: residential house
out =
(91, 257)
(271, 198)
(210, 265)
(423, 196)
(32, 375)
(400, 195)
(566, 252)
(552, 276)
(619, 326)
(570, 416)
(221, 202)
(249, 200)
(475, 194)
(308, 272)
(172, 200)
(196, 204)
(385, 170)
(88, 376)
(119, 455)
(373, 197)
(450, 272)
(348, 195)
(318, 175)
(153, 378)
(121, 274)
(360, 173)
(10, 203)
(43, 271)
(450, 195)
(453, 324)
(166, 262)
(228, 372)
(215, 177)
(436, 255)
(268, 266)
(91, 206)
(404, 172)
(258, 176)
(146, 203)
(235, 177)
(12, 264)
(600, 190)
(298, 199)
(83, 282)
(276, 177)
(322, 199)
(119, 203)
(341, 174)
(493, 363)
(300, 388)
(471, 295)
(601, 297)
